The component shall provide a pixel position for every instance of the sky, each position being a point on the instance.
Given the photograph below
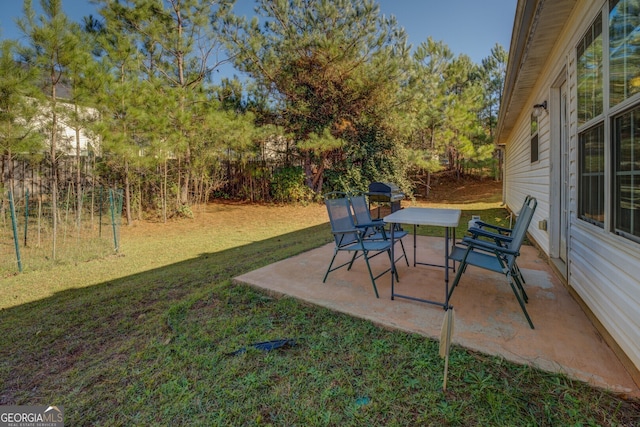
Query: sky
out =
(470, 27)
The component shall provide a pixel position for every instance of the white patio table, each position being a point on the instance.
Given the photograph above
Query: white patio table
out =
(447, 218)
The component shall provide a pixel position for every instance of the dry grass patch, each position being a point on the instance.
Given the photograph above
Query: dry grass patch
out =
(144, 338)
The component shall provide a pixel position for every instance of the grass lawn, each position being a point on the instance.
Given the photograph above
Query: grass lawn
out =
(145, 338)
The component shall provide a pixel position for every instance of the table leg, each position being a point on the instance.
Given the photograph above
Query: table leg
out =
(446, 267)
(393, 259)
(414, 244)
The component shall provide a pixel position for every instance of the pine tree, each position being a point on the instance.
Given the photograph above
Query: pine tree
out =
(19, 97)
(121, 99)
(84, 82)
(50, 50)
(332, 69)
(492, 74)
(427, 110)
(179, 50)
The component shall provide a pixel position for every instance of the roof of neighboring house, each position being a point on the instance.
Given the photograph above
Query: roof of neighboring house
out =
(63, 89)
(536, 28)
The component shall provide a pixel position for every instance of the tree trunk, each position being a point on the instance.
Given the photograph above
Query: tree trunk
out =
(127, 193)
(93, 187)
(317, 178)
(308, 172)
(164, 192)
(78, 180)
(186, 178)
(139, 200)
(179, 184)
(54, 181)
(2, 201)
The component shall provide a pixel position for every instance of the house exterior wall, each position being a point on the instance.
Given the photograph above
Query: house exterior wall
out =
(526, 178)
(67, 144)
(602, 267)
(66, 133)
(20, 174)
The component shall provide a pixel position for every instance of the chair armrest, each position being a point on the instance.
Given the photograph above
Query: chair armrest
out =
(349, 230)
(488, 246)
(482, 224)
(475, 232)
(377, 230)
(370, 224)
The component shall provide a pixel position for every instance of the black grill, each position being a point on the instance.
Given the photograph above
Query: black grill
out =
(385, 193)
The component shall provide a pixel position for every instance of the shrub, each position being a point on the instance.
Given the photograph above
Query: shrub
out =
(288, 185)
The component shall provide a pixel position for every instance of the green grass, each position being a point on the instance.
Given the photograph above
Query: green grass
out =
(92, 241)
(144, 338)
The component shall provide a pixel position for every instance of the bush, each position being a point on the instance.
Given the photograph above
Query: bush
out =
(288, 185)
(349, 181)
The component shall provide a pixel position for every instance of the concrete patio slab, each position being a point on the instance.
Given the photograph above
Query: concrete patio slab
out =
(488, 317)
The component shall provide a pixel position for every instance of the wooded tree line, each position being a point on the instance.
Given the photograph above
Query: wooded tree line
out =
(334, 98)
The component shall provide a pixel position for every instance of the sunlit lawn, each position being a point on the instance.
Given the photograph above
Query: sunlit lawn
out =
(144, 338)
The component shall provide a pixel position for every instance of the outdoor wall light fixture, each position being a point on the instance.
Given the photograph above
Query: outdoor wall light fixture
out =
(539, 108)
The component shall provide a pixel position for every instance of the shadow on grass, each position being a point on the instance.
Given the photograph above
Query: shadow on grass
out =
(152, 348)
(47, 338)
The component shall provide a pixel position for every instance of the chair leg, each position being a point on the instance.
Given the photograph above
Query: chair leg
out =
(373, 280)
(519, 284)
(461, 267)
(330, 265)
(395, 270)
(355, 253)
(519, 273)
(404, 253)
(520, 301)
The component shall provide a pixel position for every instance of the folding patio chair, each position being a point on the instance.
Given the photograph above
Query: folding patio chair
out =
(500, 235)
(374, 229)
(350, 238)
(500, 258)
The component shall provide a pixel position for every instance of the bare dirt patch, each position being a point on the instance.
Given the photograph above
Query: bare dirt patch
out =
(221, 216)
(446, 188)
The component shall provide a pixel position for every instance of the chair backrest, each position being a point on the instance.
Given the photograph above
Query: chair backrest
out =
(525, 203)
(519, 231)
(340, 217)
(361, 209)
(335, 195)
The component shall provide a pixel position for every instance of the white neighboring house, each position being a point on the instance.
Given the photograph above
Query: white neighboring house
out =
(578, 152)
(23, 175)
(67, 144)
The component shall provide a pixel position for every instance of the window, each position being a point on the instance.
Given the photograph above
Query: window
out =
(624, 46)
(610, 128)
(590, 75)
(591, 175)
(624, 83)
(534, 138)
(591, 141)
(627, 173)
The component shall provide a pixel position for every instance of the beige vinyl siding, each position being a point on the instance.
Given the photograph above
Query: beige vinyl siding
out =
(603, 268)
(608, 285)
(526, 178)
